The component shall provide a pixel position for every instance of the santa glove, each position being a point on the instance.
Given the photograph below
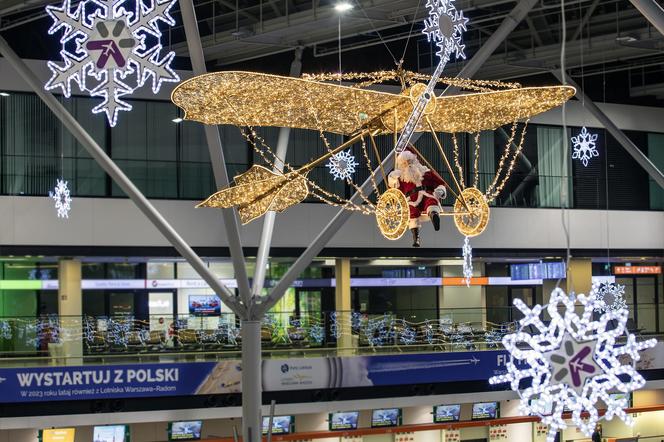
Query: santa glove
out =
(440, 192)
(393, 178)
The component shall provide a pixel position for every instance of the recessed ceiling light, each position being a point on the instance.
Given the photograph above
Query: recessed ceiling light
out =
(4, 94)
(177, 120)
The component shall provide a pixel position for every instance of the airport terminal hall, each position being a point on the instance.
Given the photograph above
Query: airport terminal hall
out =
(331, 220)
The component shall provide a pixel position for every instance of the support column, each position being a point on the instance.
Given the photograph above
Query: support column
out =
(343, 305)
(252, 383)
(579, 275)
(70, 311)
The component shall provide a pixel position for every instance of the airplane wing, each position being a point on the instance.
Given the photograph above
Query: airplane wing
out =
(254, 99)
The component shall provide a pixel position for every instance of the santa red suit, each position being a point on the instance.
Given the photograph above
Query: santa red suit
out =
(423, 189)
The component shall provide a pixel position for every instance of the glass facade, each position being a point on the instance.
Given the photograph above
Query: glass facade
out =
(169, 160)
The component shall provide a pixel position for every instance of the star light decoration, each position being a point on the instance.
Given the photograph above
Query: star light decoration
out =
(62, 198)
(584, 146)
(574, 362)
(444, 27)
(612, 294)
(342, 165)
(110, 49)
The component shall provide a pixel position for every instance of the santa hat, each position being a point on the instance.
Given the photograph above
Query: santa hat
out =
(408, 154)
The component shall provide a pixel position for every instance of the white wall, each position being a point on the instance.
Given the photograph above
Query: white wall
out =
(117, 222)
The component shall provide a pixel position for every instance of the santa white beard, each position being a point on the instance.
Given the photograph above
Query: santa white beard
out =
(413, 173)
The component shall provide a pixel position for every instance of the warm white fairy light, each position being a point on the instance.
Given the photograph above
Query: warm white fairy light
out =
(574, 362)
(109, 49)
(62, 198)
(612, 294)
(467, 261)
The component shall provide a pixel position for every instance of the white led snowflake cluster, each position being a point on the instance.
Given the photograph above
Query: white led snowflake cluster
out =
(444, 27)
(342, 165)
(467, 261)
(584, 146)
(109, 50)
(612, 295)
(574, 362)
(62, 198)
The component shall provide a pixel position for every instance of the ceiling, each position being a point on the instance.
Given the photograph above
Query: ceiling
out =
(606, 39)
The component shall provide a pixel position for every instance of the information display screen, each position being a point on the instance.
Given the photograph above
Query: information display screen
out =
(58, 435)
(346, 420)
(110, 433)
(537, 270)
(280, 424)
(485, 410)
(446, 413)
(185, 430)
(204, 305)
(386, 417)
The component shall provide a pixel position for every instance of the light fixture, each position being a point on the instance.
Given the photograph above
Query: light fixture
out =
(4, 94)
(343, 7)
(177, 120)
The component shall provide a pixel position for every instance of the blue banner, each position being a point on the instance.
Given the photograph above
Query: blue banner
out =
(178, 379)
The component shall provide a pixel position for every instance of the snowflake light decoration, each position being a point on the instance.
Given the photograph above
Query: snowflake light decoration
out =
(316, 333)
(444, 27)
(407, 335)
(574, 362)
(62, 198)
(342, 165)
(467, 261)
(584, 146)
(109, 51)
(612, 295)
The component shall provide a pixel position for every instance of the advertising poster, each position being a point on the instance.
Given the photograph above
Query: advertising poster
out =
(33, 384)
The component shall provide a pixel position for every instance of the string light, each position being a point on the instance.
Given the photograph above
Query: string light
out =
(573, 362)
(62, 198)
(467, 261)
(254, 99)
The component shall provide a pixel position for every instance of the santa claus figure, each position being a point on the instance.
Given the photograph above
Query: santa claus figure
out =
(423, 188)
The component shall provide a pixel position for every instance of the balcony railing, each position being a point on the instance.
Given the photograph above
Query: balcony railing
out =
(119, 339)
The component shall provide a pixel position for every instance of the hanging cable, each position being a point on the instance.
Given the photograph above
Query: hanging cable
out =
(376, 31)
(410, 33)
(564, 179)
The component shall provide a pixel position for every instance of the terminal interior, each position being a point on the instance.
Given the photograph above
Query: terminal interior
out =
(129, 314)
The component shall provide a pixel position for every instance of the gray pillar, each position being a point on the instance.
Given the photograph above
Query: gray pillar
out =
(652, 12)
(251, 381)
(268, 219)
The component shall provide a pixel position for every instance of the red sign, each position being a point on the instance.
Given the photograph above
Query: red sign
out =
(637, 270)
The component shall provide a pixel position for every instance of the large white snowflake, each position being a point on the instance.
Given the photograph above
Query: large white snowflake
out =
(612, 294)
(62, 198)
(444, 27)
(342, 165)
(110, 50)
(584, 146)
(572, 362)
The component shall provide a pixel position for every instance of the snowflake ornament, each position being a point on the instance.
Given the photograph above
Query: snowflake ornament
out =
(612, 295)
(467, 261)
(110, 49)
(62, 198)
(342, 165)
(574, 362)
(584, 146)
(444, 27)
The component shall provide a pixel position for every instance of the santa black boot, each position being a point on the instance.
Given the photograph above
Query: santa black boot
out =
(435, 220)
(416, 236)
